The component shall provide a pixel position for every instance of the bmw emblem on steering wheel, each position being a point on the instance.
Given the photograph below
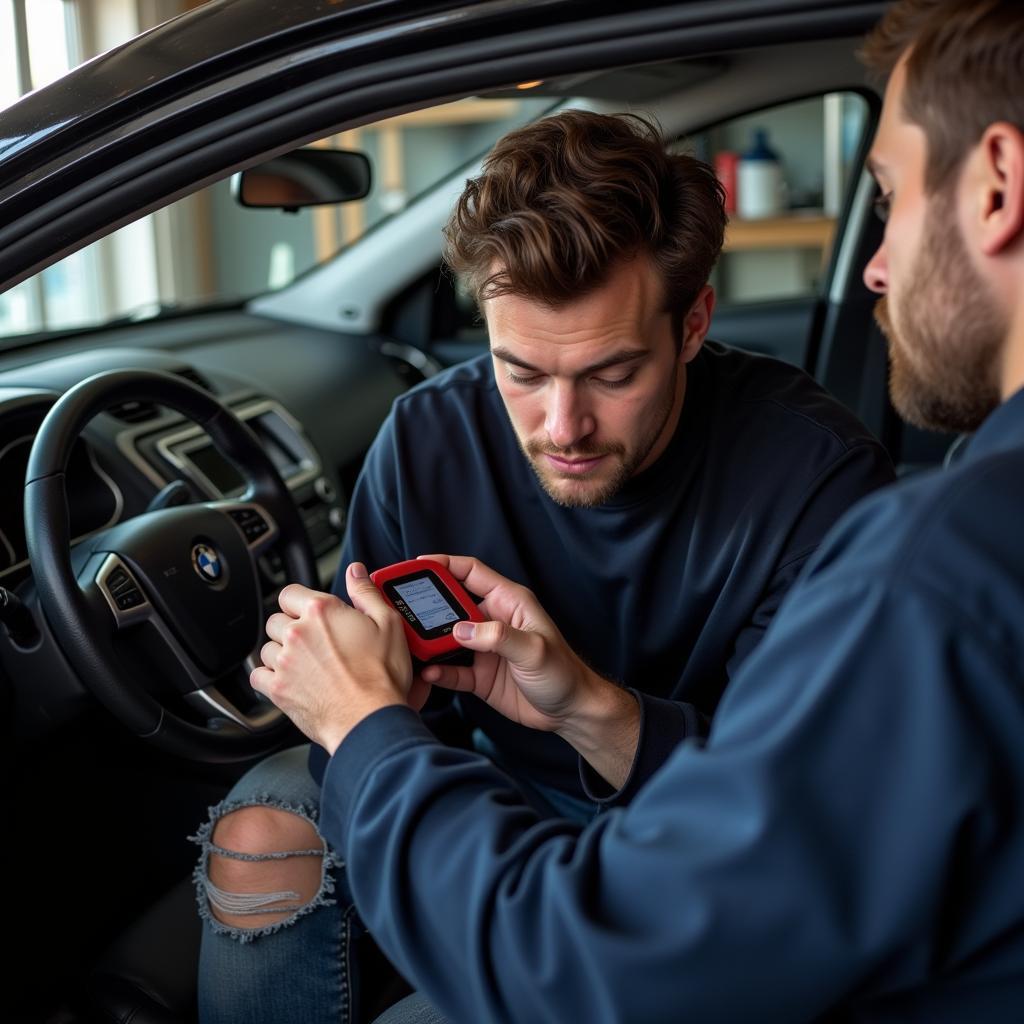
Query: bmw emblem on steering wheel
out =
(207, 563)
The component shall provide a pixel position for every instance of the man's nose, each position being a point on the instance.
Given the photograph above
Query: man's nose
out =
(876, 273)
(567, 419)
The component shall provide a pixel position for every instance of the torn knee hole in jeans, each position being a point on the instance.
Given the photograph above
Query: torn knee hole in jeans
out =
(241, 903)
(255, 902)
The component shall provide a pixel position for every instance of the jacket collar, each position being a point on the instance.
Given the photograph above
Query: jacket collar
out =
(1002, 429)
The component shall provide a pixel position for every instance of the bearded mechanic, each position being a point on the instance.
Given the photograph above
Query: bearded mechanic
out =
(659, 493)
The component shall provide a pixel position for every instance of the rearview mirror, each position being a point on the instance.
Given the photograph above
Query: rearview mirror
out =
(304, 177)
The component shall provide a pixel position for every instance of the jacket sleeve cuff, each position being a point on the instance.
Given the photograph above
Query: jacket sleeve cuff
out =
(664, 724)
(375, 736)
(317, 763)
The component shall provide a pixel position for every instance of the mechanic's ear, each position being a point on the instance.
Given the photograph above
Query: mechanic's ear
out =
(696, 323)
(996, 171)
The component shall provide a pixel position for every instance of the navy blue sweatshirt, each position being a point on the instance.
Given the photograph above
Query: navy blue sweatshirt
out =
(667, 587)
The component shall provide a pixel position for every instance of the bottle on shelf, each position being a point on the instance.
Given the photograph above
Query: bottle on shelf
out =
(759, 184)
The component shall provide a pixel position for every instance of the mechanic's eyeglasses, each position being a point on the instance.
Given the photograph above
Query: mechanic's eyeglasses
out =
(882, 205)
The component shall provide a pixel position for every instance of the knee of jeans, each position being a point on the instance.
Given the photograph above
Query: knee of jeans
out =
(246, 903)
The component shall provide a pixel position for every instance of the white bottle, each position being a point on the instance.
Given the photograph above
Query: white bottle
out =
(759, 181)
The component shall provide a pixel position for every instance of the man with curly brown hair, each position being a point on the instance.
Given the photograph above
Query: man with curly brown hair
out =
(658, 492)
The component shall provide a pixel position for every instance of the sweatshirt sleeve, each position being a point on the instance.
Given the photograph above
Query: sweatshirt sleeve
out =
(797, 859)
(664, 724)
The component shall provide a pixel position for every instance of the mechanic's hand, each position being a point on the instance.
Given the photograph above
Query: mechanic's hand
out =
(525, 669)
(327, 666)
(523, 666)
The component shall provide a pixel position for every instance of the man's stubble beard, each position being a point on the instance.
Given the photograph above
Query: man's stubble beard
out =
(946, 333)
(629, 462)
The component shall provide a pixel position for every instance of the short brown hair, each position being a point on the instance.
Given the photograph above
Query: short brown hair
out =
(562, 200)
(963, 71)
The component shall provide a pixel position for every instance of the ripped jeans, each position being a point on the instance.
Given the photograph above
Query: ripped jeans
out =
(300, 968)
(239, 982)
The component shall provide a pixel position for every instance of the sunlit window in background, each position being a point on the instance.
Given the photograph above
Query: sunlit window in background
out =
(9, 90)
(20, 307)
(38, 44)
(206, 248)
(51, 45)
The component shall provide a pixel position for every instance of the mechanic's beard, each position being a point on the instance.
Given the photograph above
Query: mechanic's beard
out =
(571, 492)
(946, 334)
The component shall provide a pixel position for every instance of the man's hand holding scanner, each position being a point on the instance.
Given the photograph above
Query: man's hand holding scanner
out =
(328, 666)
(524, 669)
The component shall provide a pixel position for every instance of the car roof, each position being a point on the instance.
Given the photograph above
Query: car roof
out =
(219, 38)
(93, 131)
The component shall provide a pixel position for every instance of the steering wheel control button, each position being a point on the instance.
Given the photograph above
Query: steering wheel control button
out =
(207, 563)
(118, 580)
(251, 523)
(325, 490)
(122, 592)
(123, 589)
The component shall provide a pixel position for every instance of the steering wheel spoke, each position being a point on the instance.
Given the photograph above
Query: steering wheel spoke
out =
(130, 607)
(119, 587)
(211, 703)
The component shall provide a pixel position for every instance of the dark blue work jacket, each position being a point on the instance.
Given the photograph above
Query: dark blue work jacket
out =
(848, 844)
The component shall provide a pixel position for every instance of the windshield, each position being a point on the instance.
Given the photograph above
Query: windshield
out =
(208, 250)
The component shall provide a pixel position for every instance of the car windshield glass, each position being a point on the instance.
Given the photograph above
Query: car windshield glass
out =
(207, 250)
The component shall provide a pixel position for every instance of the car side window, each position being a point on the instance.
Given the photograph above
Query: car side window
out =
(206, 249)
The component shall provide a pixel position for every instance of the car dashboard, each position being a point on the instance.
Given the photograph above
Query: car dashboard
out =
(313, 398)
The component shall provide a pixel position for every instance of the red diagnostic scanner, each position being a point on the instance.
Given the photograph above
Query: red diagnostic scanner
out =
(430, 600)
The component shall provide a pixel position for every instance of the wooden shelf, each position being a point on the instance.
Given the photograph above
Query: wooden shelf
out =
(796, 231)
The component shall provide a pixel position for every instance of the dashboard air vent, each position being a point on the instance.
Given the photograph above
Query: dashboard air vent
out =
(195, 377)
(140, 412)
(133, 412)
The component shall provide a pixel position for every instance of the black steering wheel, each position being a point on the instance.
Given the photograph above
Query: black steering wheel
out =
(165, 607)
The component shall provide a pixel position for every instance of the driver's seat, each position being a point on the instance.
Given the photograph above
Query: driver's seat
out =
(148, 975)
